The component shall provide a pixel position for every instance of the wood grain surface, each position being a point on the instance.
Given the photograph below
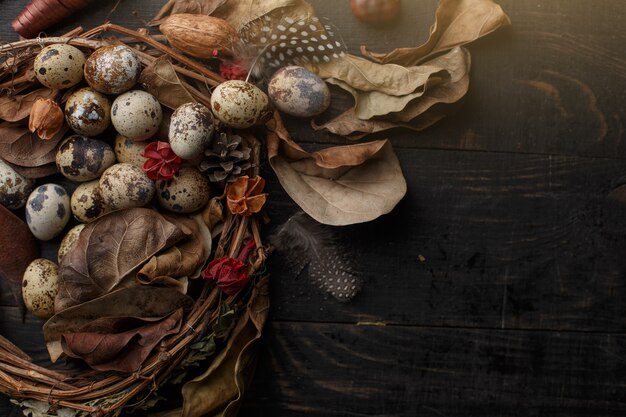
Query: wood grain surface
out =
(497, 287)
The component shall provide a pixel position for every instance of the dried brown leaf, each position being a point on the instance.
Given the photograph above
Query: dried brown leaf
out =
(17, 107)
(186, 6)
(413, 111)
(20, 147)
(19, 248)
(457, 22)
(117, 311)
(160, 79)
(240, 13)
(219, 390)
(124, 351)
(36, 172)
(109, 250)
(340, 185)
(185, 259)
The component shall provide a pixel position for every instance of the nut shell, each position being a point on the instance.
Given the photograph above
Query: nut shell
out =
(375, 11)
(88, 112)
(83, 159)
(199, 35)
(59, 66)
(126, 186)
(112, 69)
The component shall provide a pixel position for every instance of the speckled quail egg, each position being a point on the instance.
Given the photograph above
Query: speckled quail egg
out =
(59, 66)
(186, 192)
(47, 211)
(14, 188)
(40, 286)
(298, 92)
(239, 104)
(191, 130)
(112, 69)
(88, 112)
(87, 202)
(125, 186)
(136, 115)
(68, 241)
(83, 159)
(129, 152)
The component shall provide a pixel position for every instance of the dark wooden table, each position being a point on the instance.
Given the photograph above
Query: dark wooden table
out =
(497, 286)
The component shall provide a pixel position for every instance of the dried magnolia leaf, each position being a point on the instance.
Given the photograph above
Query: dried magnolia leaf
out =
(17, 107)
(458, 22)
(205, 7)
(113, 312)
(220, 389)
(19, 248)
(124, 351)
(337, 186)
(109, 250)
(36, 172)
(185, 259)
(160, 79)
(417, 112)
(20, 147)
(241, 13)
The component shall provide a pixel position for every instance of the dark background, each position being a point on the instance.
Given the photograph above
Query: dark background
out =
(496, 287)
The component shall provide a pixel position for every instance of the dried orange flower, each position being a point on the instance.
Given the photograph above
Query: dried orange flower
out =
(46, 117)
(244, 196)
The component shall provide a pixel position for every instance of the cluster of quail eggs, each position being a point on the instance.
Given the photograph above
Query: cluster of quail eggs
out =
(112, 121)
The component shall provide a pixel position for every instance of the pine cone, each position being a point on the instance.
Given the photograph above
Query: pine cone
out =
(227, 159)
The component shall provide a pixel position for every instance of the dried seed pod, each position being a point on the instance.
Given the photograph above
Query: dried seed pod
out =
(200, 35)
(41, 14)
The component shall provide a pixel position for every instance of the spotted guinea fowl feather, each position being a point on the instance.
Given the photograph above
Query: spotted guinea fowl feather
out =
(302, 242)
(274, 41)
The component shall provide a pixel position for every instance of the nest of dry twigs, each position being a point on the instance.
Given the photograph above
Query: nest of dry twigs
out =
(90, 392)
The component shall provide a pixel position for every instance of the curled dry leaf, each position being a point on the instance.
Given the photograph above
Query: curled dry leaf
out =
(413, 111)
(205, 7)
(117, 311)
(20, 147)
(457, 22)
(124, 351)
(109, 250)
(183, 260)
(160, 79)
(18, 107)
(340, 185)
(219, 390)
(19, 249)
(241, 13)
(36, 172)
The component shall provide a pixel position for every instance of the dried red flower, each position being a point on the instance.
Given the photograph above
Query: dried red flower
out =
(233, 71)
(162, 162)
(231, 274)
(244, 196)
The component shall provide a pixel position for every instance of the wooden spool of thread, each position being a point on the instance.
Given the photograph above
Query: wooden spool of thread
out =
(41, 14)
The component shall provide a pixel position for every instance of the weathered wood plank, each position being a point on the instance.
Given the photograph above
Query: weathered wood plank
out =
(335, 370)
(347, 370)
(483, 240)
(552, 83)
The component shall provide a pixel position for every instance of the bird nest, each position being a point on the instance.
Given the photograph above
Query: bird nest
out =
(211, 345)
